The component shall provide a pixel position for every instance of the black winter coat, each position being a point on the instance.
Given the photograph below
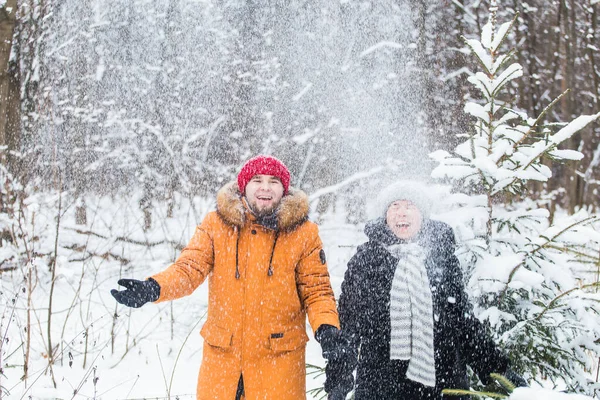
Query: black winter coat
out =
(364, 309)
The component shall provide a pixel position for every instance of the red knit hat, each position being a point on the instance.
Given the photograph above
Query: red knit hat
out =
(263, 165)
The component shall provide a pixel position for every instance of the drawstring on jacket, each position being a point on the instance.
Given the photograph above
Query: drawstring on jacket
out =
(270, 271)
(237, 245)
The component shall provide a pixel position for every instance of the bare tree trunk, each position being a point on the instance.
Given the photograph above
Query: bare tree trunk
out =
(570, 179)
(52, 285)
(29, 279)
(146, 207)
(9, 87)
(81, 212)
(13, 113)
(592, 39)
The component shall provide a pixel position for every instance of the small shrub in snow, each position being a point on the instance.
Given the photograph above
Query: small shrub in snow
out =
(525, 273)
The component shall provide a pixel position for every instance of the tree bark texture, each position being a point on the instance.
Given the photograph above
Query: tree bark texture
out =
(9, 86)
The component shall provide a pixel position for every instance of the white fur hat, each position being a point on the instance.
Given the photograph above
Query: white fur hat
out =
(415, 192)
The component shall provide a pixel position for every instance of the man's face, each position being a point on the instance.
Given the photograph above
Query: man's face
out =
(404, 219)
(264, 193)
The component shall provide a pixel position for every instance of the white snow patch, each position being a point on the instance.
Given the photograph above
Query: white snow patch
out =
(544, 394)
(380, 45)
(100, 69)
(305, 137)
(302, 92)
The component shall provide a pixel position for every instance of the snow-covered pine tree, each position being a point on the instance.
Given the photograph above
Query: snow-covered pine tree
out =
(525, 274)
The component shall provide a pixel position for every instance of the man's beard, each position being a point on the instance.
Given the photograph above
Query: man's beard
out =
(265, 212)
(266, 217)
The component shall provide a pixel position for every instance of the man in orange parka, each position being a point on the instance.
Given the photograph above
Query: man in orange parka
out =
(266, 270)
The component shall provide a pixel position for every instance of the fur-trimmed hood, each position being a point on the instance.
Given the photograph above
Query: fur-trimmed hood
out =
(292, 211)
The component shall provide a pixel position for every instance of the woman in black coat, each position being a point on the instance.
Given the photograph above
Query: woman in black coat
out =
(404, 310)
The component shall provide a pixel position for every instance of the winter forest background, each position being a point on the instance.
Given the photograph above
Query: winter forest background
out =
(119, 120)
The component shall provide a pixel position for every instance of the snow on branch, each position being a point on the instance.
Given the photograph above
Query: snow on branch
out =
(334, 188)
(380, 45)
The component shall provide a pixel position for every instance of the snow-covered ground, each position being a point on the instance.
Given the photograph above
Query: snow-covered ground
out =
(157, 349)
(544, 394)
(148, 353)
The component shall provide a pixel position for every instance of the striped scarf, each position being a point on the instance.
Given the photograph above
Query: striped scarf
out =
(411, 314)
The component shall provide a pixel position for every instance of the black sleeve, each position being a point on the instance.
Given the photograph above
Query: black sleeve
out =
(477, 347)
(351, 320)
(350, 302)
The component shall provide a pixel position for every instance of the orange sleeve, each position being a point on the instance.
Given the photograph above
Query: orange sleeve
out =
(314, 286)
(191, 267)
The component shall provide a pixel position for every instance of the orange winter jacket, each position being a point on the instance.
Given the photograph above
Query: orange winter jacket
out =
(262, 283)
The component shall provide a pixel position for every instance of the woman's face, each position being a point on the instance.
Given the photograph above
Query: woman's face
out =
(404, 219)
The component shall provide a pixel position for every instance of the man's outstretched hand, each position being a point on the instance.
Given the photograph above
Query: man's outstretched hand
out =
(136, 293)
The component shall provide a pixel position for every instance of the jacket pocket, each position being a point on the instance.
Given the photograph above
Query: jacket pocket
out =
(287, 340)
(216, 336)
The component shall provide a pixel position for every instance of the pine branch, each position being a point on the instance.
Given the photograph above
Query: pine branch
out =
(533, 127)
(542, 246)
(500, 85)
(509, 56)
(481, 62)
(463, 392)
(502, 380)
(552, 146)
(557, 298)
(510, 27)
(567, 249)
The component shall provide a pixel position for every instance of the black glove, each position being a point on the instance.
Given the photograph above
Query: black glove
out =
(515, 378)
(343, 386)
(334, 345)
(136, 293)
(337, 395)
